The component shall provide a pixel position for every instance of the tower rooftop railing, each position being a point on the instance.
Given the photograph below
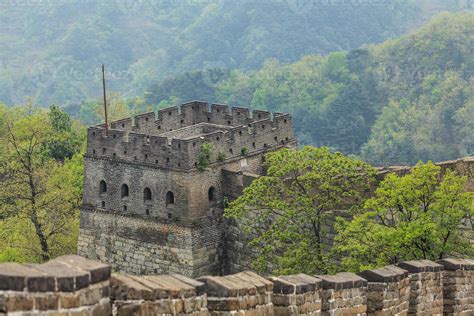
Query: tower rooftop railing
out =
(174, 136)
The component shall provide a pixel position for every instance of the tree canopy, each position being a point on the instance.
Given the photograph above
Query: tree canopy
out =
(289, 214)
(289, 210)
(41, 171)
(398, 102)
(416, 216)
(52, 50)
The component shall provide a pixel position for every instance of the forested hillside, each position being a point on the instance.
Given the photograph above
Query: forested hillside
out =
(359, 77)
(398, 102)
(41, 177)
(51, 50)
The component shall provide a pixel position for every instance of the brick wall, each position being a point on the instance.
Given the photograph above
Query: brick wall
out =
(244, 293)
(68, 285)
(426, 287)
(458, 286)
(343, 294)
(240, 256)
(174, 138)
(297, 295)
(72, 285)
(141, 232)
(388, 291)
(157, 295)
(148, 246)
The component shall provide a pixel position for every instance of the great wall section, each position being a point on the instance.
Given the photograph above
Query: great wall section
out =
(72, 285)
(153, 216)
(149, 208)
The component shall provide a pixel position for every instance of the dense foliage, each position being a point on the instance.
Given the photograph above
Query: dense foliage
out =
(289, 214)
(404, 100)
(398, 102)
(290, 208)
(411, 217)
(51, 50)
(41, 170)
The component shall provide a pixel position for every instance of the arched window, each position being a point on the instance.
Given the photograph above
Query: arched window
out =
(102, 187)
(124, 191)
(147, 196)
(169, 198)
(211, 194)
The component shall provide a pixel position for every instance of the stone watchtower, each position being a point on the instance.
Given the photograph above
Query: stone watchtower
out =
(149, 207)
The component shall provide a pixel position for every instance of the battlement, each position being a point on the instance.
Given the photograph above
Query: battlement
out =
(72, 285)
(149, 169)
(173, 137)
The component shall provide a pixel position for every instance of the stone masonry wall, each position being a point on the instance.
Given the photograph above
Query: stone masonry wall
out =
(72, 286)
(174, 138)
(463, 166)
(244, 293)
(458, 286)
(68, 285)
(343, 294)
(426, 287)
(157, 295)
(240, 256)
(144, 246)
(297, 295)
(388, 291)
(140, 234)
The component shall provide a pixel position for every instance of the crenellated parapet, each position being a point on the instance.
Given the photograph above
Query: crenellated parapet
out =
(72, 285)
(173, 137)
(146, 175)
(463, 166)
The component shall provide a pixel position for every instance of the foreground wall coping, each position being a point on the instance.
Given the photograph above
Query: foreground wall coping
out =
(295, 284)
(342, 281)
(420, 266)
(63, 274)
(240, 284)
(74, 284)
(153, 287)
(386, 274)
(457, 264)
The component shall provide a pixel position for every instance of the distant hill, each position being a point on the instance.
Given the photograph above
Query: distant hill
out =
(406, 99)
(51, 50)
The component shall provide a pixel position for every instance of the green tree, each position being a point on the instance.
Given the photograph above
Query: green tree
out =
(89, 112)
(64, 141)
(464, 118)
(39, 196)
(204, 156)
(117, 108)
(288, 209)
(416, 216)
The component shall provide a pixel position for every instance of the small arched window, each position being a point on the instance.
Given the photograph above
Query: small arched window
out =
(211, 194)
(169, 198)
(147, 196)
(103, 187)
(124, 191)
